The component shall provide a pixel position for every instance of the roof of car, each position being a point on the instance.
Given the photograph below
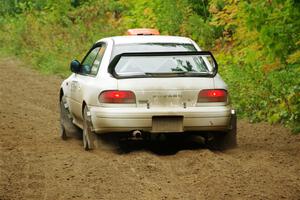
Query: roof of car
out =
(149, 39)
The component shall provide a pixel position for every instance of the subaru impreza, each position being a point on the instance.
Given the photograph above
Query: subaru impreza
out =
(144, 85)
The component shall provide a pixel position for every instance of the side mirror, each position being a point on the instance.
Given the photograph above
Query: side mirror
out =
(75, 66)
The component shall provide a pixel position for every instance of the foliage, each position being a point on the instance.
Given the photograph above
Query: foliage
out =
(49, 36)
(257, 43)
(259, 52)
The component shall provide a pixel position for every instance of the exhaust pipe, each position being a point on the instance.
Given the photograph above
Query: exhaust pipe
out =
(136, 134)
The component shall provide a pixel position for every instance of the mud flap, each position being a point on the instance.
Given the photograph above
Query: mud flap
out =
(224, 140)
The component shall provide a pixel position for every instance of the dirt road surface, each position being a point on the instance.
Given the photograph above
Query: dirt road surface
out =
(36, 164)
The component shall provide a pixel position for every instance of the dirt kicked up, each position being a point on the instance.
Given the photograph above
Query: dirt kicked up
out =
(36, 164)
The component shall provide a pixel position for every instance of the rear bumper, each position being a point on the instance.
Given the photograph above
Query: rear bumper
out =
(106, 119)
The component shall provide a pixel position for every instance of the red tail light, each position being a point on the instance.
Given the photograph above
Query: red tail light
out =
(117, 96)
(212, 96)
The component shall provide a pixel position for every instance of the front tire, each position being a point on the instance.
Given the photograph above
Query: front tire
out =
(63, 134)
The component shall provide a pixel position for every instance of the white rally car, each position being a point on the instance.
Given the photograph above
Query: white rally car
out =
(144, 85)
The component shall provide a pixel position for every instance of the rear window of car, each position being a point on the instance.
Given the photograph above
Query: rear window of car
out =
(164, 64)
(152, 47)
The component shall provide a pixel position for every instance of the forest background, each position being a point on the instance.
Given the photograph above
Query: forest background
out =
(256, 42)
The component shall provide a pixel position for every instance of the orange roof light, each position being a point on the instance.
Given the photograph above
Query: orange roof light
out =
(142, 31)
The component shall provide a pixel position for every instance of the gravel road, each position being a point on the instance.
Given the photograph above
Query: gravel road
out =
(36, 164)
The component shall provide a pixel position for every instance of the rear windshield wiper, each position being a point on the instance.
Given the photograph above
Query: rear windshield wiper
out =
(177, 73)
(198, 73)
(164, 74)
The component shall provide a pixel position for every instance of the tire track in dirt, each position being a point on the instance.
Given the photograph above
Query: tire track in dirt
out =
(36, 164)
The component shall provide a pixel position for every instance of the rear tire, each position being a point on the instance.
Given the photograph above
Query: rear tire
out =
(67, 128)
(224, 140)
(89, 137)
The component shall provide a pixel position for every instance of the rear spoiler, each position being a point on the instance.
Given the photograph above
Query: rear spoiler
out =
(116, 59)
